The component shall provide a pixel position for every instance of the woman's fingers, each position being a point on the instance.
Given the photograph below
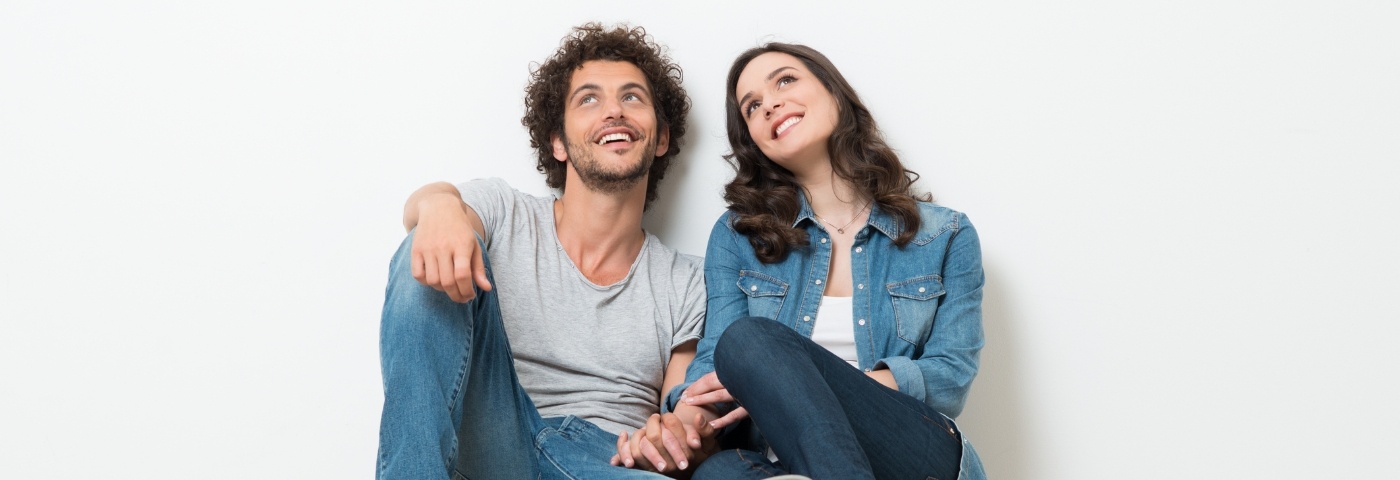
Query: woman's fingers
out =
(730, 418)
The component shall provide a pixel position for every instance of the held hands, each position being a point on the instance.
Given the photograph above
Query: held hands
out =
(445, 253)
(660, 448)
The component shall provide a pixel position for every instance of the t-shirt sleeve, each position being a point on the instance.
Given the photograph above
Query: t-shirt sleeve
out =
(492, 199)
(692, 319)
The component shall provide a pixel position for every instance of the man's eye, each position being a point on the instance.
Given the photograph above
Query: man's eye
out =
(588, 99)
(631, 97)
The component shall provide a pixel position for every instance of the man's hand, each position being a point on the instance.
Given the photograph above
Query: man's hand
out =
(660, 447)
(445, 253)
(707, 391)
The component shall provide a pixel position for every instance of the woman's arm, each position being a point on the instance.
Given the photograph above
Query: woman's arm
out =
(724, 258)
(942, 375)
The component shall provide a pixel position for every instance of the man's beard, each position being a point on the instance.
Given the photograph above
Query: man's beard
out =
(600, 179)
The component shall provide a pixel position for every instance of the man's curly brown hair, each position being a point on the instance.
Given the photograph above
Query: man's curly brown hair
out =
(548, 91)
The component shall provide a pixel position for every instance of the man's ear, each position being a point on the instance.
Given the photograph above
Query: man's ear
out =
(560, 153)
(663, 142)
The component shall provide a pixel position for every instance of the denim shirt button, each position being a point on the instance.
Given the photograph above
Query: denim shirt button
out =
(819, 281)
(753, 288)
(860, 286)
(806, 318)
(823, 239)
(859, 249)
(921, 289)
(862, 321)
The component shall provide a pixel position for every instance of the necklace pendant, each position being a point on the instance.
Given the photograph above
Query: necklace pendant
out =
(840, 230)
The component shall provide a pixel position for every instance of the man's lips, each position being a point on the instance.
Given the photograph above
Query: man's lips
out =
(615, 134)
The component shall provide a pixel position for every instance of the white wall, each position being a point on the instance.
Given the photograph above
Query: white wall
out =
(1187, 209)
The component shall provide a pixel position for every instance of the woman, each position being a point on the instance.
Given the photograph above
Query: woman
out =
(875, 291)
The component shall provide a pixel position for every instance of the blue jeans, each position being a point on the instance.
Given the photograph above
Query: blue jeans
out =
(453, 407)
(823, 418)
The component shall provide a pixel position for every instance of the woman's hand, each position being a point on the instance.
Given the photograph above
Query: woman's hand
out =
(707, 391)
(658, 447)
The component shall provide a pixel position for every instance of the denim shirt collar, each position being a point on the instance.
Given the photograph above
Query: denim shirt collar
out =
(883, 222)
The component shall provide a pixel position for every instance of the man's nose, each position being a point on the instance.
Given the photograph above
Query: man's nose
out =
(612, 108)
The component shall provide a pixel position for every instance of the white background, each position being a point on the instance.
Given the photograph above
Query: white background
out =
(1188, 213)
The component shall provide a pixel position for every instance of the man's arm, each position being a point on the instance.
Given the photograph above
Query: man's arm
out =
(445, 252)
(675, 441)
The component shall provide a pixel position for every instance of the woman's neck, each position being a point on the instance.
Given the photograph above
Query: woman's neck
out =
(833, 198)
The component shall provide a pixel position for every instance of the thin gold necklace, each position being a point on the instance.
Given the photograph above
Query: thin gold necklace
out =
(842, 229)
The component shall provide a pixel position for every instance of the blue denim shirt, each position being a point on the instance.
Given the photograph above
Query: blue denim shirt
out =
(917, 309)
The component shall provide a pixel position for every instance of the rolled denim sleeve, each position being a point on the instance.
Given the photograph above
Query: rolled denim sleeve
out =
(723, 259)
(942, 375)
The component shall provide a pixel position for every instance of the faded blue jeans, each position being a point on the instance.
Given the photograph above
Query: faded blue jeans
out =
(823, 418)
(453, 407)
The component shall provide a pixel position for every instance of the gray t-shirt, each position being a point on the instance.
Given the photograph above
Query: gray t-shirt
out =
(595, 352)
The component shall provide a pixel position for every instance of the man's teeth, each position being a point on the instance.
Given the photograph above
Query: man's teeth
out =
(788, 123)
(614, 137)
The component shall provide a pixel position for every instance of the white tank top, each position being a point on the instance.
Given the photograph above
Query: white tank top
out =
(835, 330)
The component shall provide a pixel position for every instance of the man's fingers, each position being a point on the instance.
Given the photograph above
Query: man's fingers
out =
(417, 267)
(479, 271)
(624, 450)
(443, 276)
(674, 448)
(730, 418)
(692, 431)
(654, 456)
(699, 430)
(634, 447)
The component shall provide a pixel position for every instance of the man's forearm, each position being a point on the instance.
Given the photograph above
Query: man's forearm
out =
(414, 205)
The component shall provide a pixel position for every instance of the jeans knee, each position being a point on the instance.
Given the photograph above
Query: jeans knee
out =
(742, 340)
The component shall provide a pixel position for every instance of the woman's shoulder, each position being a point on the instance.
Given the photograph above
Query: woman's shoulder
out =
(935, 220)
(725, 223)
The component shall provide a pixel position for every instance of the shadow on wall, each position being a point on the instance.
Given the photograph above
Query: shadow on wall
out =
(995, 415)
(670, 216)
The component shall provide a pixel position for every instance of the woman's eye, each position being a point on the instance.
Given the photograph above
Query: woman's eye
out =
(588, 99)
(786, 80)
(631, 97)
(748, 110)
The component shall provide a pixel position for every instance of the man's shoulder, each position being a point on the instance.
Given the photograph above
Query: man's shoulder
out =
(496, 186)
(499, 197)
(679, 263)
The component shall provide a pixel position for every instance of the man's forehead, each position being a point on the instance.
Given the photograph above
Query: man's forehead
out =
(603, 73)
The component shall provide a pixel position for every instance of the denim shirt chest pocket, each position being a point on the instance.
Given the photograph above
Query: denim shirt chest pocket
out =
(765, 293)
(915, 302)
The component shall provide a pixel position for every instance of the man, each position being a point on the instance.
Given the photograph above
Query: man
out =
(601, 318)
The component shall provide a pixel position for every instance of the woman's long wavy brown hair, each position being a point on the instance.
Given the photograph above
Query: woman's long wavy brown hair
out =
(763, 194)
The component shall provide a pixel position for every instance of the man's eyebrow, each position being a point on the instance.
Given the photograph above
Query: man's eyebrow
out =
(586, 86)
(775, 73)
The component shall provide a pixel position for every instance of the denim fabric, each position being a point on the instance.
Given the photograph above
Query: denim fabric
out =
(917, 308)
(453, 407)
(836, 422)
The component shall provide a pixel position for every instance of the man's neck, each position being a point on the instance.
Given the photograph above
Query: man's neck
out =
(601, 232)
